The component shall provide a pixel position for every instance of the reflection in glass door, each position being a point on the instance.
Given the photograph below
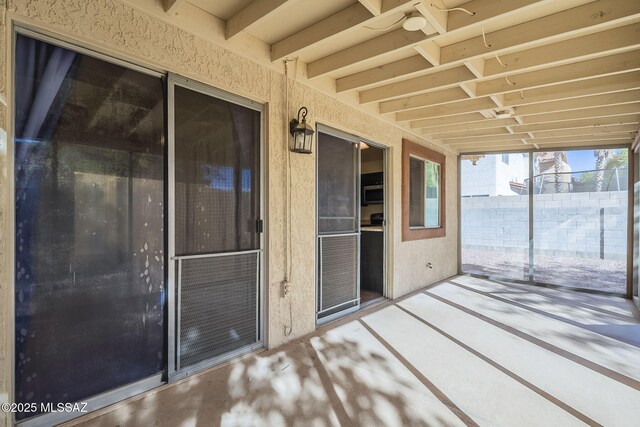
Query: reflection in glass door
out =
(216, 243)
(338, 223)
(89, 191)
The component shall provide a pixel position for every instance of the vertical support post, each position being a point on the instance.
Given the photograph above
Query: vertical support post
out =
(632, 262)
(531, 245)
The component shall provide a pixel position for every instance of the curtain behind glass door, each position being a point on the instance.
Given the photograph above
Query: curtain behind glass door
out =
(89, 285)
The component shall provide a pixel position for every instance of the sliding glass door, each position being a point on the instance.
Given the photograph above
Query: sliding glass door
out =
(216, 245)
(89, 241)
(569, 227)
(580, 200)
(494, 212)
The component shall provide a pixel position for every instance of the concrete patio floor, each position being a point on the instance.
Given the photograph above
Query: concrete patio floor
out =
(466, 351)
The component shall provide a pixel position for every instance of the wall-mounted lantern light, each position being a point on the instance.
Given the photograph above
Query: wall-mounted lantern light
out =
(301, 133)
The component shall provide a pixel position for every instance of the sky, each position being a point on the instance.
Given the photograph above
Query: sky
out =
(581, 160)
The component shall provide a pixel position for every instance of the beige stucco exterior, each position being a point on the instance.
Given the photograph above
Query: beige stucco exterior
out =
(116, 28)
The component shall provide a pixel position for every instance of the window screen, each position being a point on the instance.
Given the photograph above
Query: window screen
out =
(89, 155)
(337, 192)
(217, 153)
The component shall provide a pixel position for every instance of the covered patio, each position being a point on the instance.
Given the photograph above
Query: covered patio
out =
(465, 351)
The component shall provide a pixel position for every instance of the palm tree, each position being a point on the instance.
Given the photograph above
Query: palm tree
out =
(557, 166)
(601, 156)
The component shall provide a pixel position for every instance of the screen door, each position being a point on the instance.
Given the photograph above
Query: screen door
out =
(338, 222)
(216, 210)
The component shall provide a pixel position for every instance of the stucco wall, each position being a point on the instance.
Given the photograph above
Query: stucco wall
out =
(116, 28)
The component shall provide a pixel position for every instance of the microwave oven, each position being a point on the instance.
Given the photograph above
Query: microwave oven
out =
(373, 194)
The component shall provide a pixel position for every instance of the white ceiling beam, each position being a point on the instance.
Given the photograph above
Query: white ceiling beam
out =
(403, 67)
(429, 82)
(424, 100)
(373, 6)
(476, 66)
(594, 130)
(434, 15)
(484, 11)
(579, 138)
(473, 135)
(332, 26)
(430, 51)
(468, 126)
(489, 138)
(578, 18)
(250, 14)
(381, 45)
(612, 64)
(450, 109)
(515, 146)
(577, 103)
(610, 110)
(594, 86)
(604, 42)
(581, 123)
(172, 6)
(444, 121)
(551, 125)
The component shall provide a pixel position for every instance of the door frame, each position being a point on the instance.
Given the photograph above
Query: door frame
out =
(173, 372)
(388, 213)
(387, 186)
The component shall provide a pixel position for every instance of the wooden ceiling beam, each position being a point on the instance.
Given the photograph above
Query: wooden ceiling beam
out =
(485, 11)
(250, 14)
(612, 64)
(433, 14)
(381, 45)
(469, 135)
(578, 138)
(598, 85)
(606, 111)
(445, 121)
(424, 100)
(332, 26)
(489, 138)
(172, 6)
(585, 17)
(467, 126)
(430, 51)
(604, 42)
(593, 130)
(450, 109)
(471, 119)
(517, 146)
(404, 67)
(430, 82)
(624, 97)
(580, 123)
(583, 143)
(373, 6)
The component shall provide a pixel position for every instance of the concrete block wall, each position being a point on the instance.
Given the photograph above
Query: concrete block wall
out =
(572, 224)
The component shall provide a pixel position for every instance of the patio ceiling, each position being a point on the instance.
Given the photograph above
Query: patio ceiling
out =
(484, 75)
